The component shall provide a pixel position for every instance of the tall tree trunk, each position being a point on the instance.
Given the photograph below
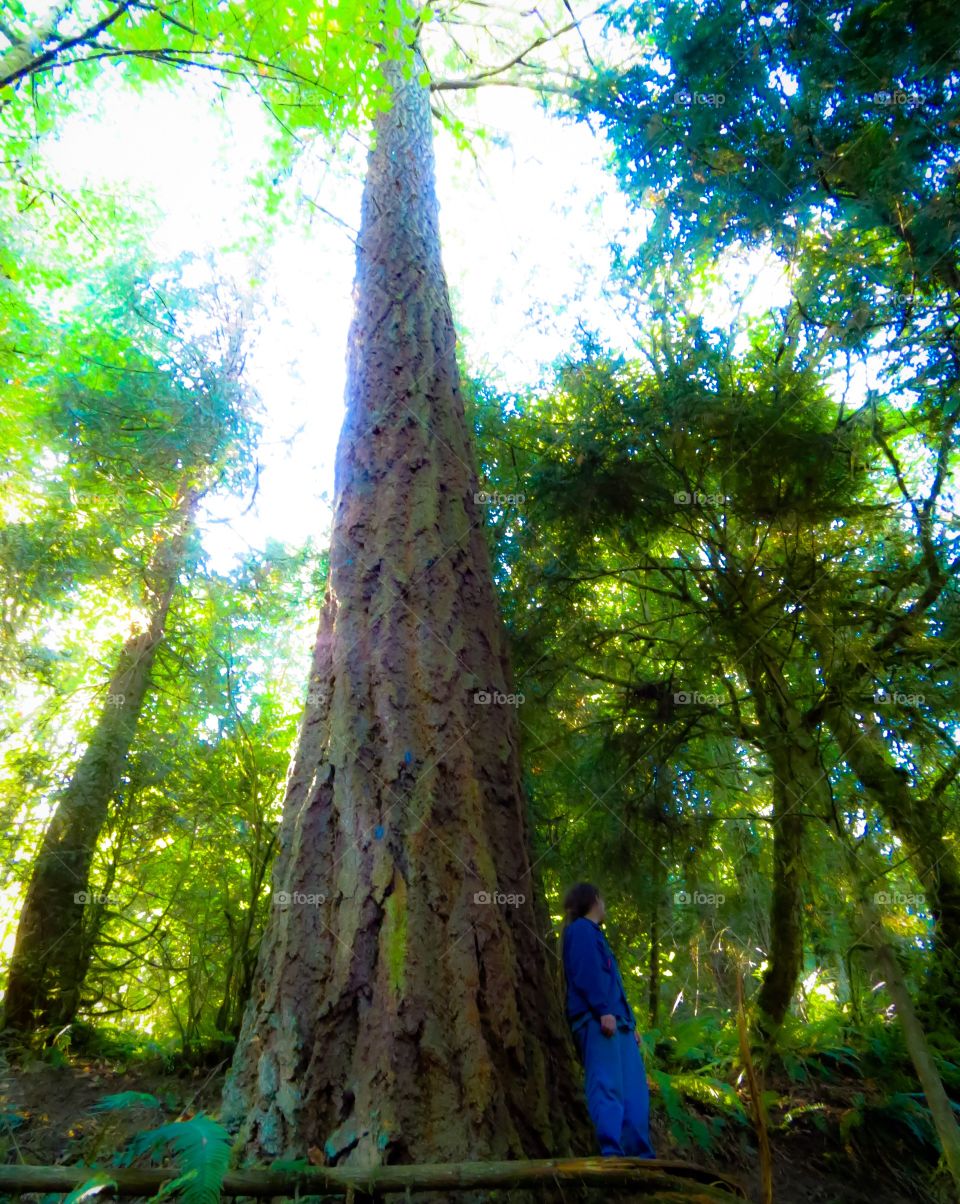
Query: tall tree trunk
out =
(923, 834)
(54, 944)
(244, 941)
(873, 935)
(401, 1017)
(653, 972)
(799, 784)
(786, 926)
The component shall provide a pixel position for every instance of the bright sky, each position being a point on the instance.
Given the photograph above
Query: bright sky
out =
(525, 229)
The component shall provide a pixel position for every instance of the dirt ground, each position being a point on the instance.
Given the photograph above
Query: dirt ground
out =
(46, 1118)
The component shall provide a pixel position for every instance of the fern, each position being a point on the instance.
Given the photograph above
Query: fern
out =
(202, 1148)
(96, 1183)
(706, 1090)
(851, 1118)
(126, 1099)
(685, 1125)
(910, 1110)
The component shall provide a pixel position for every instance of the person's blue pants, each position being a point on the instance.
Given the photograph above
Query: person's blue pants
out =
(618, 1098)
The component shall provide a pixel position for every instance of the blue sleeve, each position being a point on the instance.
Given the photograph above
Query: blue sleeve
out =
(584, 968)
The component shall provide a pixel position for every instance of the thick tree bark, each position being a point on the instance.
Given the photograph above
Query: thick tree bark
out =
(396, 1016)
(799, 784)
(54, 936)
(786, 927)
(664, 1179)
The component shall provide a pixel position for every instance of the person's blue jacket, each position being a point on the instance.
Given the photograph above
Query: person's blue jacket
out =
(594, 985)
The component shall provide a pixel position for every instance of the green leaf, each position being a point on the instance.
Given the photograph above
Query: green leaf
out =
(126, 1099)
(96, 1183)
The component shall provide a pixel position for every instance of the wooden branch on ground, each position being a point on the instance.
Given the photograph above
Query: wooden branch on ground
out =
(660, 1178)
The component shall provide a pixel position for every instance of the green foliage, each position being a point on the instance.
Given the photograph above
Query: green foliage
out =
(698, 512)
(741, 125)
(202, 1148)
(127, 1099)
(94, 1186)
(318, 67)
(687, 1127)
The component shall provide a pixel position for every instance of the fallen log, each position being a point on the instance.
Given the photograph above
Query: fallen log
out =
(663, 1179)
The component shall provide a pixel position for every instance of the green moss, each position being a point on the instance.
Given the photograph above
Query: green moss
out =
(395, 934)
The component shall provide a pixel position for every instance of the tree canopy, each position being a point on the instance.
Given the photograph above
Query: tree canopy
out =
(723, 540)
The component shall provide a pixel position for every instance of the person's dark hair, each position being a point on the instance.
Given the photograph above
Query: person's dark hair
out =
(579, 899)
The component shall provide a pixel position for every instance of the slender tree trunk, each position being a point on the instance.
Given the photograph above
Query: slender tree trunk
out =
(873, 934)
(918, 823)
(53, 944)
(923, 835)
(244, 941)
(799, 784)
(653, 976)
(397, 1015)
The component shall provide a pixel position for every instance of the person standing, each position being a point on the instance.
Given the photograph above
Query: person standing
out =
(604, 1030)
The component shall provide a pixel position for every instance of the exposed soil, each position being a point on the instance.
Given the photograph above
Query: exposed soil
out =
(46, 1118)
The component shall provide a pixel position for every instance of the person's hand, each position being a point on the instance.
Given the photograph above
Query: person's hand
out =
(608, 1024)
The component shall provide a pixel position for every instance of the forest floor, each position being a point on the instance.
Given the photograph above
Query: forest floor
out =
(46, 1118)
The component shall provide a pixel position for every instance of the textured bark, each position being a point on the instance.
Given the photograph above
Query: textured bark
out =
(664, 1179)
(55, 935)
(245, 929)
(399, 1019)
(799, 785)
(786, 927)
(873, 935)
(923, 834)
(920, 824)
(653, 975)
